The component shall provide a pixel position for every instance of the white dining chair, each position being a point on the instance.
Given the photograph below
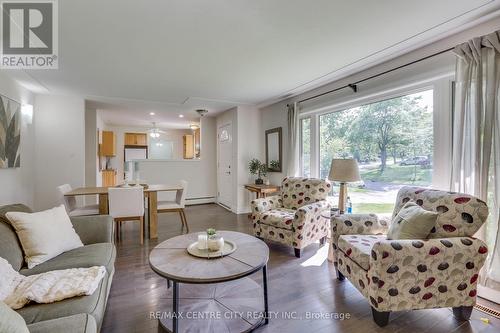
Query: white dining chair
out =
(127, 204)
(71, 206)
(176, 206)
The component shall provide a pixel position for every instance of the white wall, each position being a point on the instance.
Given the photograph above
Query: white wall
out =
(59, 146)
(247, 142)
(91, 147)
(92, 170)
(200, 174)
(17, 184)
(249, 146)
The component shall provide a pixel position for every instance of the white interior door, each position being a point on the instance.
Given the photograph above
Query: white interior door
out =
(224, 168)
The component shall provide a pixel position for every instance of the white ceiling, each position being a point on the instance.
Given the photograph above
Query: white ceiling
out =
(138, 114)
(178, 55)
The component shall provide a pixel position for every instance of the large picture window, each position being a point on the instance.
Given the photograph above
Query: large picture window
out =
(392, 140)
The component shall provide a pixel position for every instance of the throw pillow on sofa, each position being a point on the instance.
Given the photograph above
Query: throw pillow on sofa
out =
(412, 222)
(44, 235)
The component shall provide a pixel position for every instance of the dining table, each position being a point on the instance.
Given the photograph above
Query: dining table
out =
(150, 193)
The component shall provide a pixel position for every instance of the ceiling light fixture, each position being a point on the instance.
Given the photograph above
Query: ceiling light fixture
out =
(155, 132)
(194, 127)
(181, 116)
(202, 112)
(151, 113)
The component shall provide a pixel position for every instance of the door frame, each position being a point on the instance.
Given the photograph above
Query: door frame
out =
(233, 170)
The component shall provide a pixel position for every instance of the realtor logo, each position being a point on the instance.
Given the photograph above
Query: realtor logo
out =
(29, 34)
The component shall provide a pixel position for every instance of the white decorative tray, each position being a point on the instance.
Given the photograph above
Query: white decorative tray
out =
(228, 248)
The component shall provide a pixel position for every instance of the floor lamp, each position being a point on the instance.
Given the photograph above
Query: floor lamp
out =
(344, 171)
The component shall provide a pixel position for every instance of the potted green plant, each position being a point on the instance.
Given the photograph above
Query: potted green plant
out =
(211, 232)
(214, 241)
(258, 168)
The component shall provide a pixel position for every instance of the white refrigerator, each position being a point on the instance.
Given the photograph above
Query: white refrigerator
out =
(131, 155)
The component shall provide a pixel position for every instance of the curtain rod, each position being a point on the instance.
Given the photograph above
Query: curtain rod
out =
(354, 86)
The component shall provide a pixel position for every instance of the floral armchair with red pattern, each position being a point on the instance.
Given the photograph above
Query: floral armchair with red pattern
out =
(294, 216)
(394, 275)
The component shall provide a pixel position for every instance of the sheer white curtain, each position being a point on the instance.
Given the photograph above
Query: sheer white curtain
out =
(476, 131)
(293, 161)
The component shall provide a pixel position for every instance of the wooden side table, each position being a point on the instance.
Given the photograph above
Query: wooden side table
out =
(261, 191)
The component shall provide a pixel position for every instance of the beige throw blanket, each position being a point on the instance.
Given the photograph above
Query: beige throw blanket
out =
(17, 290)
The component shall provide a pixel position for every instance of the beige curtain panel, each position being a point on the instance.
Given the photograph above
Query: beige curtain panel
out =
(476, 138)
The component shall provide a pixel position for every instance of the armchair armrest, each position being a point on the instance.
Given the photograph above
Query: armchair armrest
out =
(264, 204)
(309, 213)
(359, 224)
(94, 229)
(308, 225)
(416, 274)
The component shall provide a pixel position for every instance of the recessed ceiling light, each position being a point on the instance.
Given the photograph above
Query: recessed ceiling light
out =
(151, 113)
(181, 116)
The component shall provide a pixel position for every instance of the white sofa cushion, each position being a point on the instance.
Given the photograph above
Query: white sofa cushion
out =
(44, 235)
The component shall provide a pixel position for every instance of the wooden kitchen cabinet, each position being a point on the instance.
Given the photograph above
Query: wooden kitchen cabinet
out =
(129, 139)
(108, 144)
(188, 146)
(108, 177)
(136, 139)
(141, 139)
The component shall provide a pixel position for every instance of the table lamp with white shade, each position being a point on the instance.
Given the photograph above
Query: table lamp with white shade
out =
(344, 171)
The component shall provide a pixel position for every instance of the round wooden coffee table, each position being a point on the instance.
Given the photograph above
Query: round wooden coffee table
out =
(222, 298)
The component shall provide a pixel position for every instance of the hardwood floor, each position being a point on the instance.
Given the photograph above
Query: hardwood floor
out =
(296, 286)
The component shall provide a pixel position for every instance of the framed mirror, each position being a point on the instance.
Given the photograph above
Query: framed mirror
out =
(274, 150)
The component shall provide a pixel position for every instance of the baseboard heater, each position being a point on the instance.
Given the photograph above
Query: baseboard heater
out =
(200, 200)
(224, 206)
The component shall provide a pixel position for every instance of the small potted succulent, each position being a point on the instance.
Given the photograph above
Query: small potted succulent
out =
(258, 168)
(214, 241)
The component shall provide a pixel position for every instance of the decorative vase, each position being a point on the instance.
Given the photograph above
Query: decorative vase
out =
(215, 242)
(259, 181)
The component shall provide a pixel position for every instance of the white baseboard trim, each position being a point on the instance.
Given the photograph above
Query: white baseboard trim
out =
(244, 210)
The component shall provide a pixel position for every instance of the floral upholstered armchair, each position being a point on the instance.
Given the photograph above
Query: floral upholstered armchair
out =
(394, 275)
(294, 216)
